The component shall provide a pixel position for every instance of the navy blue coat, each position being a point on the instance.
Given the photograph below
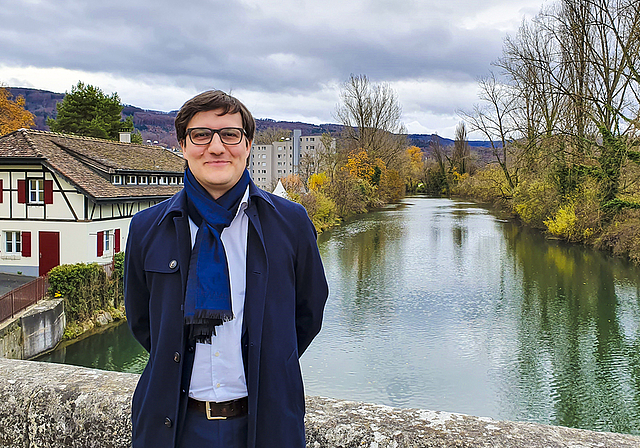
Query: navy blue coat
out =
(284, 301)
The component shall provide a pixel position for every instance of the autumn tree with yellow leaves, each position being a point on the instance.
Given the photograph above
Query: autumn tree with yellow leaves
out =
(13, 115)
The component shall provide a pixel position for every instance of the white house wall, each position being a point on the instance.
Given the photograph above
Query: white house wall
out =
(78, 242)
(60, 209)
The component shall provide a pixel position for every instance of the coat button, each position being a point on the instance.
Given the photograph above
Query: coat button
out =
(190, 349)
(176, 357)
(167, 422)
(173, 264)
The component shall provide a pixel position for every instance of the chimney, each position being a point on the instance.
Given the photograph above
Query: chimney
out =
(125, 137)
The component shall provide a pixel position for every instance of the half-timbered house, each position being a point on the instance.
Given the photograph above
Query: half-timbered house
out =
(69, 199)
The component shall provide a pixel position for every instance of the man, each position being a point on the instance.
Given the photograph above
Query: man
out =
(224, 287)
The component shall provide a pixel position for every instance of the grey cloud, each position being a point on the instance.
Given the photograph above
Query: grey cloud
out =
(225, 41)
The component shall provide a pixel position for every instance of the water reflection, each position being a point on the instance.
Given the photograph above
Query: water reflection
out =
(442, 305)
(115, 350)
(570, 334)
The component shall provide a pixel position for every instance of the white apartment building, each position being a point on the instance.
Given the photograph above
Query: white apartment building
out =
(268, 163)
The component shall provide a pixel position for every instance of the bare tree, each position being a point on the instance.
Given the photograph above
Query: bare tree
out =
(495, 119)
(371, 116)
(271, 134)
(460, 159)
(324, 158)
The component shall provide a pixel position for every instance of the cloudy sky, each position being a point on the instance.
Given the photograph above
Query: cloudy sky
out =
(285, 59)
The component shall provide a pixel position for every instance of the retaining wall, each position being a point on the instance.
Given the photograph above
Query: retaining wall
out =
(34, 331)
(54, 405)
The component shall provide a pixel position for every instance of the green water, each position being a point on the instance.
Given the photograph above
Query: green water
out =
(440, 304)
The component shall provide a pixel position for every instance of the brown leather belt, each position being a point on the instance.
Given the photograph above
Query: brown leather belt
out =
(222, 410)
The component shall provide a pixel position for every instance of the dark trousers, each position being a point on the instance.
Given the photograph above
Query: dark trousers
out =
(198, 432)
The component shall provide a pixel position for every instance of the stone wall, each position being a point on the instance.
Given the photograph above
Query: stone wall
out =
(53, 405)
(11, 340)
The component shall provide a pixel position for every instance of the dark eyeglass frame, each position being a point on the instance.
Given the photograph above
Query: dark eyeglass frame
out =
(214, 132)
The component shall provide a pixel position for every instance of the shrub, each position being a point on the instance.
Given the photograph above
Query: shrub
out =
(488, 185)
(534, 201)
(321, 209)
(622, 235)
(563, 224)
(86, 288)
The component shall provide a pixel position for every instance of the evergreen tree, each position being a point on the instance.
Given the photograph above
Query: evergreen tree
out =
(88, 111)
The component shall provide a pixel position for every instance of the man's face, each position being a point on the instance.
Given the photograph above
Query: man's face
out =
(216, 166)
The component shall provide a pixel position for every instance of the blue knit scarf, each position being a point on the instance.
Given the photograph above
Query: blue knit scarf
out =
(208, 298)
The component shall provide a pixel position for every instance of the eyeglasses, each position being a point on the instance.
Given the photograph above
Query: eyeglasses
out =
(203, 136)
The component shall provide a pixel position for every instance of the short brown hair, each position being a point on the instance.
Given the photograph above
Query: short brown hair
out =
(212, 100)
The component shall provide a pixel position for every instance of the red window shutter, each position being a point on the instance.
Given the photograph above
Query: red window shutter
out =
(22, 191)
(100, 243)
(1, 192)
(26, 244)
(48, 192)
(116, 243)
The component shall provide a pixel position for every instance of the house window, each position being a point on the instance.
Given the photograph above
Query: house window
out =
(36, 191)
(132, 180)
(144, 180)
(117, 179)
(154, 180)
(107, 248)
(164, 180)
(13, 242)
(174, 180)
(180, 181)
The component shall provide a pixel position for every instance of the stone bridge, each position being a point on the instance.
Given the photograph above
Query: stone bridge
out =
(53, 405)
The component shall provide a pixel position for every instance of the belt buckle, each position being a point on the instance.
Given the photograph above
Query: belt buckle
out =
(208, 412)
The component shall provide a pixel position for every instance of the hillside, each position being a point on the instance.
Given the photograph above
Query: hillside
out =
(157, 126)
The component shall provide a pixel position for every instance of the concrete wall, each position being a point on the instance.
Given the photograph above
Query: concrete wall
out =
(53, 405)
(34, 331)
(42, 327)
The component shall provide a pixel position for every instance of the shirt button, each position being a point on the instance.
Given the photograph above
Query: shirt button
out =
(167, 422)
(217, 385)
(217, 353)
(176, 357)
(173, 264)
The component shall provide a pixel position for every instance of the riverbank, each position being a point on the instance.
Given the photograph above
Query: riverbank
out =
(101, 321)
(579, 217)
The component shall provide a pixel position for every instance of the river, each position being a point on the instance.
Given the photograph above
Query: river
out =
(441, 304)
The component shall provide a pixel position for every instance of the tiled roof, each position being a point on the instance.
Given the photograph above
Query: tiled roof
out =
(88, 162)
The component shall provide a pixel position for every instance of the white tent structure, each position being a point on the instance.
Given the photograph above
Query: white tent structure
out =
(280, 191)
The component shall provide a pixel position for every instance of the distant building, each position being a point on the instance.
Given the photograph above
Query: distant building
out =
(69, 199)
(268, 163)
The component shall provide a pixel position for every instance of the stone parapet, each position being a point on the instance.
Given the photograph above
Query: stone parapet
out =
(54, 405)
